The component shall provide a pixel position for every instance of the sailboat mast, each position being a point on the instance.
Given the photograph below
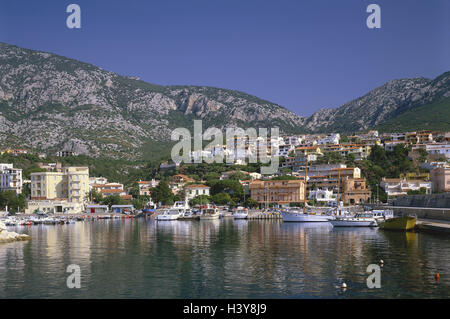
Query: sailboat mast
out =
(338, 189)
(304, 184)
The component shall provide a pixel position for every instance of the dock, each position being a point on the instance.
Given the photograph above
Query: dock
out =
(433, 226)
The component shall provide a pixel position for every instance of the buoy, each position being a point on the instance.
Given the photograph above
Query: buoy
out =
(437, 276)
(381, 261)
(344, 285)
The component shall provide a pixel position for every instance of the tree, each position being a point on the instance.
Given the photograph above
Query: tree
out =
(134, 190)
(221, 199)
(14, 201)
(95, 196)
(238, 176)
(330, 158)
(162, 193)
(113, 200)
(229, 186)
(200, 200)
(350, 160)
(421, 191)
(251, 203)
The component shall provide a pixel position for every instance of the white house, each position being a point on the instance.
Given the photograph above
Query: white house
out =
(193, 191)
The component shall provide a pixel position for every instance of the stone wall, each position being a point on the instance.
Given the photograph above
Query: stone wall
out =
(430, 201)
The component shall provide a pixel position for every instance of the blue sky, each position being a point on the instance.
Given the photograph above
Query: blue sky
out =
(302, 54)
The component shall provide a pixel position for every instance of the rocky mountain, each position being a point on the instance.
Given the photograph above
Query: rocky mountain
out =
(381, 104)
(51, 103)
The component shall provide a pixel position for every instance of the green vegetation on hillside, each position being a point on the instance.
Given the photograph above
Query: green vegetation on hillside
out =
(435, 116)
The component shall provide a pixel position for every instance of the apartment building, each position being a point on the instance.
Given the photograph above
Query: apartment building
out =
(360, 151)
(421, 137)
(401, 186)
(440, 179)
(11, 178)
(71, 184)
(355, 191)
(279, 192)
(305, 152)
(329, 139)
(442, 149)
(389, 146)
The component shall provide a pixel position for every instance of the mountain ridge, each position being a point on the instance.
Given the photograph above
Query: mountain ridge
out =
(49, 102)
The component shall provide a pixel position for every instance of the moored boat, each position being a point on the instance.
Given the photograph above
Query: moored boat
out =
(210, 213)
(169, 215)
(303, 217)
(359, 220)
(240, 213)
(399, 223)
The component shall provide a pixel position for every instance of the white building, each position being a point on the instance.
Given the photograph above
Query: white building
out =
(390, 145)
(439, 149)
(322, 195)
(10, 178)
(401, 186)
(285, 150)
(193, 191)
(330, 139)
(294, 140)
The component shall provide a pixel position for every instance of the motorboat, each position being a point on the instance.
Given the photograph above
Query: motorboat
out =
(240, 213)
(190, 215)
(209, 213)
(170, 214)
(359, 220)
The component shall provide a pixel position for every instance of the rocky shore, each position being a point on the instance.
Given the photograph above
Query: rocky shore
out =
(8, 236)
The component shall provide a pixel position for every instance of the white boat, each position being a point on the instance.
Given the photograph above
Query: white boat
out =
(181, 205)
(240, 213)
(210, 213)
(382, 215)
(170, 214)
(359, 220)
(299, 216)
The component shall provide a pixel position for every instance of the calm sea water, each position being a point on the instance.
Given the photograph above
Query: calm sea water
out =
(221, 259)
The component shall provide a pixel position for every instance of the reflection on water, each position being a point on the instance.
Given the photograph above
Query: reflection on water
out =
(221, 259)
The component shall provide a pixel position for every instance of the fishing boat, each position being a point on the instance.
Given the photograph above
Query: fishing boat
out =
(240, 213)
(209, 213)
(399, 223)
(359, 220)
(169, 215)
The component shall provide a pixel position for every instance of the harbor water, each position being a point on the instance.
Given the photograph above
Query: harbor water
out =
(225, 258)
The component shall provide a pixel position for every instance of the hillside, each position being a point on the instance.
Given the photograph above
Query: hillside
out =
(435, 116)
(51, 103)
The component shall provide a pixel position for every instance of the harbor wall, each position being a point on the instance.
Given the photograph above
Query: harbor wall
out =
(429, 201)
(424, 213)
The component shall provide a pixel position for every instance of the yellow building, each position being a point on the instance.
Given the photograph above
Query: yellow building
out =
(281, 192)
(71, 184)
